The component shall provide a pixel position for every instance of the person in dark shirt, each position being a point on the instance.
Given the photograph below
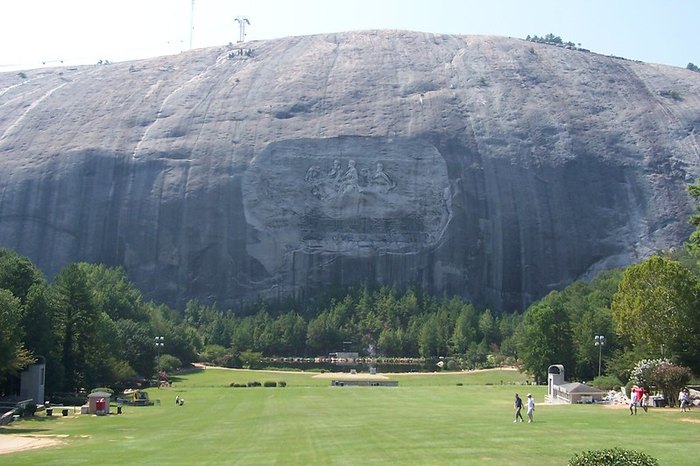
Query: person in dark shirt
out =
(518, 407)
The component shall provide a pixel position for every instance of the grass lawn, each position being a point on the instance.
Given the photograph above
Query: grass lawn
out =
(427, 419)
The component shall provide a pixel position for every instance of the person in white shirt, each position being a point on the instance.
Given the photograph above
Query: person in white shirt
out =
(634, 399)
(530, 407)
(684, 400)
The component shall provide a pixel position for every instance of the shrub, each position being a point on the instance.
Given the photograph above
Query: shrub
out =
(168, 363)
(641, 373)
(217, 355)
(250, 359)
(670, 378)
(237, 385)
(675, 95)
(607, 382)
(612, 457)
(102, 389)
(269, 383)
(281, 383)
(254, 384)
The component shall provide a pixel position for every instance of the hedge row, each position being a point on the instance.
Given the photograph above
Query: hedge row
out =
(268, 383)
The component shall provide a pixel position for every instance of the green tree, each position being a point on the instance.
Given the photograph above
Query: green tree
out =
(242, 335)
(656, 306)
(508, 326)
(13, 355)
(168, 363)
(180, 339)
(693, 243)
(42, 338)
(406, 307)
(429, 339)
(621, 363)
(250, 359)
(323, 334)
(464, 332)
(18, 274)
(217, 355)
(77, 323)
(40, 311)
(488, 327)
(390, 342)
(137, 346)
(585, 325)
(103, 360)
(289, 334)
(263, 337)
(113, 293)
(476, 355)
(366, 315)
(545, 337)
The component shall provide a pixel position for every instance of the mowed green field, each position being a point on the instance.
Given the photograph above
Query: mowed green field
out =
(427, 419)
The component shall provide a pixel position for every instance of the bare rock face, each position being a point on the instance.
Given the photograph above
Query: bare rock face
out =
(495, 169)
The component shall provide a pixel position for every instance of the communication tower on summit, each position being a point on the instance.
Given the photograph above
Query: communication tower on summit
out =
(191, 23)
(242, 21)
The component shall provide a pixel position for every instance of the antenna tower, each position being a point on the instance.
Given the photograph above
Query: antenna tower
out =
(191, 23)
(242, 21)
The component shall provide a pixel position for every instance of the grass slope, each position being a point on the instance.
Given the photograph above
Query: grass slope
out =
(428, 419)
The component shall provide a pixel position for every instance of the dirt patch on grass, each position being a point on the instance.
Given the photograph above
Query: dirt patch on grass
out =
(474, 371)
(349, 376)
(361, 375)
(12, 443)
(692, 421)
(619, 406)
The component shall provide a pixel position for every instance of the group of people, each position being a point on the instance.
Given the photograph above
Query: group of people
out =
(530, 408)
(638, 397)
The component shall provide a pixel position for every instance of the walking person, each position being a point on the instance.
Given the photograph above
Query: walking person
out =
(634, 394)
(684, 400)
(645, 400)
(530, 408)
(518, 407)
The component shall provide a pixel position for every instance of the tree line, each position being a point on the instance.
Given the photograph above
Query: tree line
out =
(93, 327)
(90, 325)
(382, 322)
(550, 39)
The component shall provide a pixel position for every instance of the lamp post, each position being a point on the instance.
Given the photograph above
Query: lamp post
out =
(160, 343)
(599, 342)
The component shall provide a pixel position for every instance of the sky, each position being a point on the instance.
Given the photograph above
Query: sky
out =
(36, 33)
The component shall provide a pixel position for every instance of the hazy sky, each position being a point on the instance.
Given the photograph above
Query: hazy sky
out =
(84, 31)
